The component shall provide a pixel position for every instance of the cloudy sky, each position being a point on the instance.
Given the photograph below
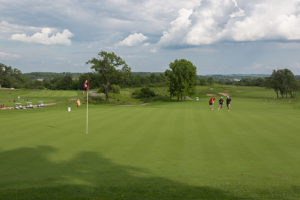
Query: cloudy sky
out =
(218, 36)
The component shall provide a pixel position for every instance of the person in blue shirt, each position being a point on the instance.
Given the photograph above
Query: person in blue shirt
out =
(221, 101)
(228, 102)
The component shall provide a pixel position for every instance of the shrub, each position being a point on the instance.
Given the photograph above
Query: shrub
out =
(95, 99)
(115, 89)
(101, 90)
(143, 93)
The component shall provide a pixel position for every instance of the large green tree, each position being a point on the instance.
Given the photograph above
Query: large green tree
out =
(10, 77)
(283, 82)
(107, 66)
(181, 78)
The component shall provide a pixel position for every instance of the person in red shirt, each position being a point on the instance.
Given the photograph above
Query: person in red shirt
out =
(211, 102)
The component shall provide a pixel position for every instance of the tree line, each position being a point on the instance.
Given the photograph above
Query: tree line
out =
(13, 78)
(110, 69)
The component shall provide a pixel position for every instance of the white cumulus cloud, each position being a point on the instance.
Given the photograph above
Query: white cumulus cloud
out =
(133, 40)
(47, 36)
(178, 27)
(233, 20)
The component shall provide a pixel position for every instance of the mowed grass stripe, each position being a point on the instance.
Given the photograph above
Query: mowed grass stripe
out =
(109, 133)
(27, 128)
(272, 162)
(140, 147)
(276, 143)
(163, 135)
(272, 133)
(252, 139)
(101, 131)
(200, 152)
(170, 141)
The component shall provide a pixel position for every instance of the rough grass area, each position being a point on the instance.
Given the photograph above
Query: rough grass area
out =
(164, 150)
(126, 98)
(8, 96)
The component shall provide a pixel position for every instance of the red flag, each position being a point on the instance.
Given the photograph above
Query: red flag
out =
(86, 83)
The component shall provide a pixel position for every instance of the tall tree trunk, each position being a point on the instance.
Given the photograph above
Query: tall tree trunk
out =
(282, 94)
(106, 89)
(106, 95)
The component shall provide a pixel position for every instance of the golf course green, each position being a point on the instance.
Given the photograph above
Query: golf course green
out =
(158, 151)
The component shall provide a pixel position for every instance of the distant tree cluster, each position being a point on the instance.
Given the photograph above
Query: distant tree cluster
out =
(284, 83)
(10, 77)
(247, 81)
(50, 75)
(181, 78)
(147, 79)
(261, 82)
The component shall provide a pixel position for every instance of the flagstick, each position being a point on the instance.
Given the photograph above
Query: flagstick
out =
(87, 110)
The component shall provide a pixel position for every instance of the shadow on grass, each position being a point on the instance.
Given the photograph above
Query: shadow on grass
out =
(27, 173)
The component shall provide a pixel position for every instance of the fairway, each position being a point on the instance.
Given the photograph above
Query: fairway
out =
(166, 150)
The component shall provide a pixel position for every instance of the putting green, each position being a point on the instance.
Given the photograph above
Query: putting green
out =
(174, 150)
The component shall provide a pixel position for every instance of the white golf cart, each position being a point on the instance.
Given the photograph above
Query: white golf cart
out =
(29, 105)
(18, 106)
(40, 104)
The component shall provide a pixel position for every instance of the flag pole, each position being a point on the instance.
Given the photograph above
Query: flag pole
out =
(87, 110)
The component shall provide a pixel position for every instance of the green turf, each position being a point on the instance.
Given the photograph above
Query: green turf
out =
(164, 150)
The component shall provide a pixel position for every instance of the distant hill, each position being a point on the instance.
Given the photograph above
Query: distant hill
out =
(235, 76)
(147, 73)
(50, 75)
(216, 76)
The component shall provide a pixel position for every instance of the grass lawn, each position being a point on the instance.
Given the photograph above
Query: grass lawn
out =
(164, 150)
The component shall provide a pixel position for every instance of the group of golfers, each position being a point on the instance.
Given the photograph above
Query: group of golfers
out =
(221, 102)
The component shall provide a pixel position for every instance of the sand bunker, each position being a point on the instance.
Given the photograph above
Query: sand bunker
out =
(223, 94)
(188, 98)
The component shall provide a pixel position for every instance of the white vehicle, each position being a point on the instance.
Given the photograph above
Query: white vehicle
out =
(18, 106)
(40, 104)
(29, 105)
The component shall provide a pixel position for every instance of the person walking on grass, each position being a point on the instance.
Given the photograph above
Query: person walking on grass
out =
(211, 102)
(221, 101)
(78, 103)
(228, 101)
